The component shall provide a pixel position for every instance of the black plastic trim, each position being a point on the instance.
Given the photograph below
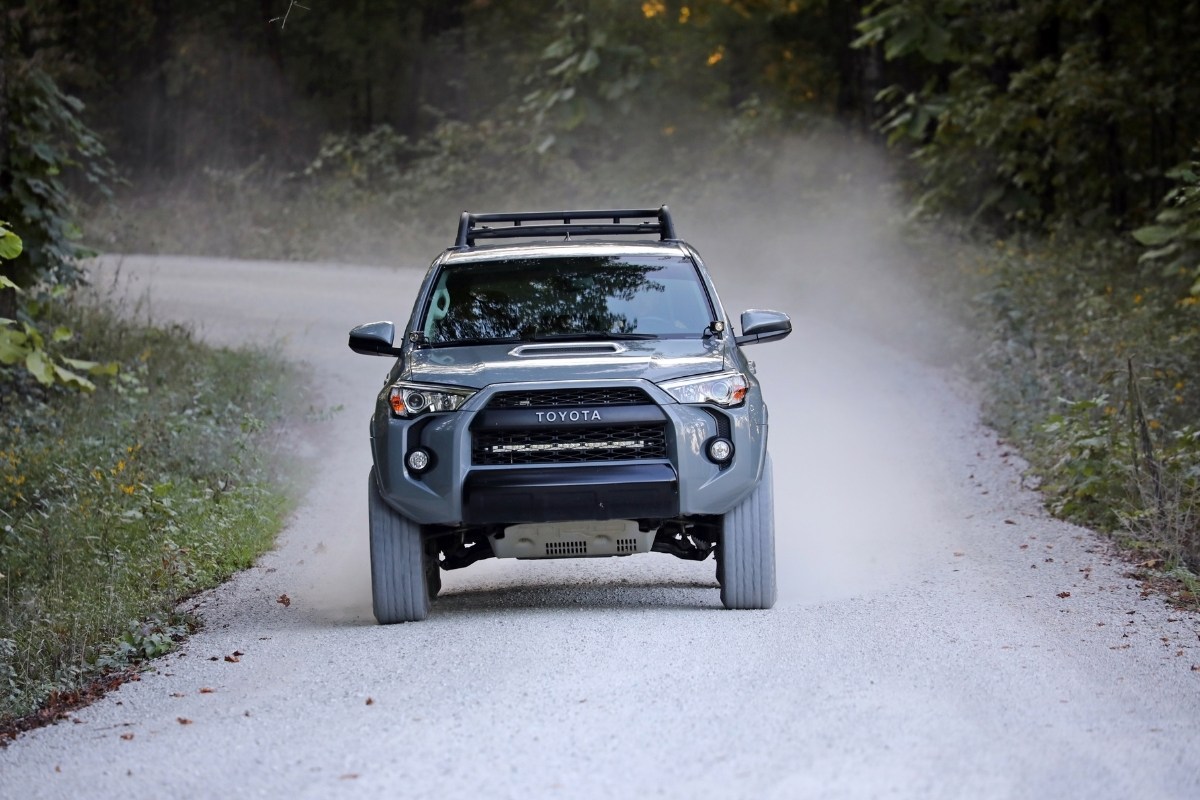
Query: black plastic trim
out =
(559, 494)
(541, 419)
(724, 431)
(474, 226)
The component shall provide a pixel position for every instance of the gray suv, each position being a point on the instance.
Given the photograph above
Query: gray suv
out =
(568, 386)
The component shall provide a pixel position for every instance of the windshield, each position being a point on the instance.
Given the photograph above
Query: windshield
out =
(525, 299)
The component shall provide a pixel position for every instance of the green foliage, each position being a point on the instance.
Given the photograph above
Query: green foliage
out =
(116, 504)
(142, 640)
(23, 343)
(585, 78)
(1039, 113)
(45, 141)
(1090, 367)
(1174, 239)
(1090, 480)
(10, 247)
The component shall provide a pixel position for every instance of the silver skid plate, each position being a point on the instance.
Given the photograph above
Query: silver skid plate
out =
(616, 537)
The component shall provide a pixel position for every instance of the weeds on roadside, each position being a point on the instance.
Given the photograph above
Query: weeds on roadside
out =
(116, 504)
(1090, 365)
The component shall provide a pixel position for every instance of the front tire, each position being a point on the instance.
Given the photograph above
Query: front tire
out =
(746, 548)
(400, 565)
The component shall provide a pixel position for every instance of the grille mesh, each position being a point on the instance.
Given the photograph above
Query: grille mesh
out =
(569, 445)
(626, 545)
(554, 398)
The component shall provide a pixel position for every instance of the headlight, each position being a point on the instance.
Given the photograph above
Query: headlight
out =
(725, 389)
(411, 399)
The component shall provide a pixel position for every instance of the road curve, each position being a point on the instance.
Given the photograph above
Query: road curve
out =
(937, 636)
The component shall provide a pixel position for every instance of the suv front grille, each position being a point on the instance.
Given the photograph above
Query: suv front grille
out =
(569, 445)
(554, 398)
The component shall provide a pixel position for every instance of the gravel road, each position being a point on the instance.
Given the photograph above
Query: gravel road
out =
(937, 636)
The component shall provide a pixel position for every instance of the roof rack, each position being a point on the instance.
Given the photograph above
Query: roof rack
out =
(565, 223)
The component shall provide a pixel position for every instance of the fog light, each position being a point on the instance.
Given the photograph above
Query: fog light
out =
(720, 450)
(419, 460)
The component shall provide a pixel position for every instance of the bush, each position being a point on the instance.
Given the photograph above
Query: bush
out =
(1090, 368)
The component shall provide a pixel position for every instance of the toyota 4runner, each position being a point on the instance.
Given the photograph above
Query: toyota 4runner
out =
(568, 386)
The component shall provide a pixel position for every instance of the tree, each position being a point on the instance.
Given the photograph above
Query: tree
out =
(1041, 112)
(43, 142)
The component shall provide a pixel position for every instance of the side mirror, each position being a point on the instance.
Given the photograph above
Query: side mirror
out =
(763, 326)
(374, 339)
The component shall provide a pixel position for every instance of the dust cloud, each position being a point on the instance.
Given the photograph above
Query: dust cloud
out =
(857, 473)
(859, 485)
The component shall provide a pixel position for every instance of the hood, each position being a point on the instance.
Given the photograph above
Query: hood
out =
(655, 360)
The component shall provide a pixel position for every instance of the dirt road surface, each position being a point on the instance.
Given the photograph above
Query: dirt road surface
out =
(937, 636)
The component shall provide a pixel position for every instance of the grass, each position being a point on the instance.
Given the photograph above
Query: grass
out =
(115, 505)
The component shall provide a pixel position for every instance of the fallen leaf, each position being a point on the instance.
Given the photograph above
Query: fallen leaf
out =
(959, 555)
(349, 776)
(213, 658)
(1064, 594)
(180, 694)
(370, 701)
(284, 600)
(206, 690)
(57, 768)
(183, 720)
(232, 659)
(238, 653)
(1024, 547)
(1009, 522)
(127, 737)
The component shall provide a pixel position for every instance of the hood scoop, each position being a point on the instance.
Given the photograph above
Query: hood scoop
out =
(560, 349)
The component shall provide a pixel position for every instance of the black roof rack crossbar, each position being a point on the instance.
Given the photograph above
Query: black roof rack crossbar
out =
(617, 222)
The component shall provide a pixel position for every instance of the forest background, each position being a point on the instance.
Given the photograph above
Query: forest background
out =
(1043, 152)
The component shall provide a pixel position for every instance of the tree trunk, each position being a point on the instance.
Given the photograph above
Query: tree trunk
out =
(157, 144)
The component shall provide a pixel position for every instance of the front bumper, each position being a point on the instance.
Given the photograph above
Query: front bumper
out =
(454, 491)
(574, 492)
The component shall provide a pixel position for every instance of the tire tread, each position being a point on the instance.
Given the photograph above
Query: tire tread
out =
(747, 548)
(399, 587)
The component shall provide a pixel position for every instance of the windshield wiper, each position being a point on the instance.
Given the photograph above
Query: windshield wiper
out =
(585, 335)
